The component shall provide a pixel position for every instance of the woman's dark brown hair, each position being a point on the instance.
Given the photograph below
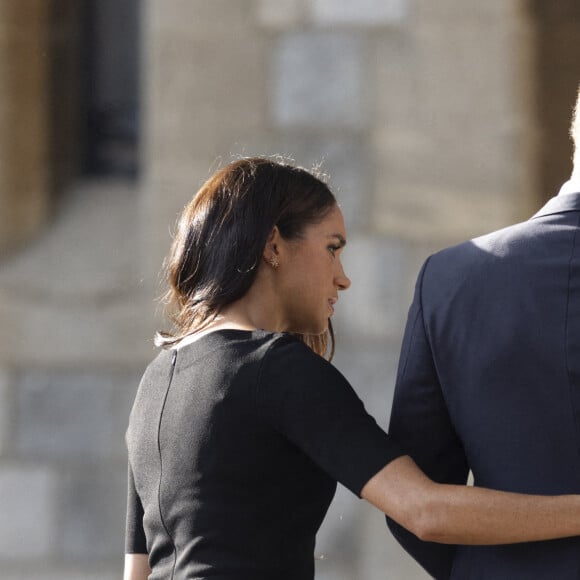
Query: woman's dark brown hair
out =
(222, 233)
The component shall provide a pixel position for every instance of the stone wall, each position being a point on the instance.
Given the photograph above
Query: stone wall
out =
(76, 338)
(421, 114)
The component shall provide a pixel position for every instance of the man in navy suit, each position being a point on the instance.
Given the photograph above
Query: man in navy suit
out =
(489, 379)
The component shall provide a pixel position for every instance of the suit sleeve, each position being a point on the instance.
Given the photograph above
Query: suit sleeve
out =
(420, 423)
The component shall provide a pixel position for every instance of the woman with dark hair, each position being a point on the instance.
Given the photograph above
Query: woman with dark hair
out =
(240, 428)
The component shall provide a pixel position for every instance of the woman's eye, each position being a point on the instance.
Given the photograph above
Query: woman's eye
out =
(333, 249)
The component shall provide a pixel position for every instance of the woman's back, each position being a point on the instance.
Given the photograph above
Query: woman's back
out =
(222, 491)
(233, 449)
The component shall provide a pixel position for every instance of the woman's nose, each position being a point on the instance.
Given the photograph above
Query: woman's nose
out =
(342, 281)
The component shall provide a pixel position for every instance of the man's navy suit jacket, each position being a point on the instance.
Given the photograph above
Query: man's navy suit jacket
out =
(489, 380)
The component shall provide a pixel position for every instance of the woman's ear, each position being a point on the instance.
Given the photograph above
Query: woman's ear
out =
(271, 253)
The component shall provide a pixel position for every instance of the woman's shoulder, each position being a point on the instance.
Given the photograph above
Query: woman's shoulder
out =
(289, 361)
(234, 348)
(230, 342)
(293, 350)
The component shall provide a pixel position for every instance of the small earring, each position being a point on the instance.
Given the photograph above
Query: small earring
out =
(273, 261)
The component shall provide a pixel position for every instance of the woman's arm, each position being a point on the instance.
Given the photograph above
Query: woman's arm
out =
(136, 567)
(457, 514)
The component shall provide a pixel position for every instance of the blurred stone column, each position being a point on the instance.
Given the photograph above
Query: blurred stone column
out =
(454, 130)
(557, 26)
(205, 70)
(24, 67)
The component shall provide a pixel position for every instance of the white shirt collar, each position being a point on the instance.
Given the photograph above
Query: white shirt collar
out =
(571, 186)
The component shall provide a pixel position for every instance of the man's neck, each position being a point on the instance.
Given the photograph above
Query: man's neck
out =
(572, 185)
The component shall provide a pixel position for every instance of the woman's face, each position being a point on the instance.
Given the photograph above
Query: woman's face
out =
(311, 274)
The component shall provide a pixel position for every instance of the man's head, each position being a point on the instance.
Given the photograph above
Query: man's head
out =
(575, 134)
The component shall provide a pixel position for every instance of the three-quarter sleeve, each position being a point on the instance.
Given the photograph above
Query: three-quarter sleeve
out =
(135, 542)
(311, 403)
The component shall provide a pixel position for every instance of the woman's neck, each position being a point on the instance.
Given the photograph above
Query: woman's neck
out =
(217, 324)
(258, 309)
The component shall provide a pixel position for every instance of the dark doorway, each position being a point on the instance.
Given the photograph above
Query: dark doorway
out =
(110, 99)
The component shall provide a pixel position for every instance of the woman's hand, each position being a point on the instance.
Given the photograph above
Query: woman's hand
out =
(458, 514)
(136, 567)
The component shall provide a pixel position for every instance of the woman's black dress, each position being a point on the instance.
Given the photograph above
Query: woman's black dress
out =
(235, 444)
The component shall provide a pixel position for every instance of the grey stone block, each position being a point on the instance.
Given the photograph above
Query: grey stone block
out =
(64, 415)
(5, 409)
(216, 19)
(371, 307)
(92, 504)
(213, 89)
(44, 334)
(371, 368)
(319, 81)
(63, 573)
(498, 11)
(78, 292)
(123, 395)
(427, 119)
(78, 261)
(27, 497)
(280, 14)
(361, 12)
(343, 159)
(398, 84)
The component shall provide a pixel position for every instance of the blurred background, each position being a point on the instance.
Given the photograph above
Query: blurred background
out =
(436, 122)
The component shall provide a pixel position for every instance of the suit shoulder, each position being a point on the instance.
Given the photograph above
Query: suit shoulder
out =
(487, 247)
(478, 260)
